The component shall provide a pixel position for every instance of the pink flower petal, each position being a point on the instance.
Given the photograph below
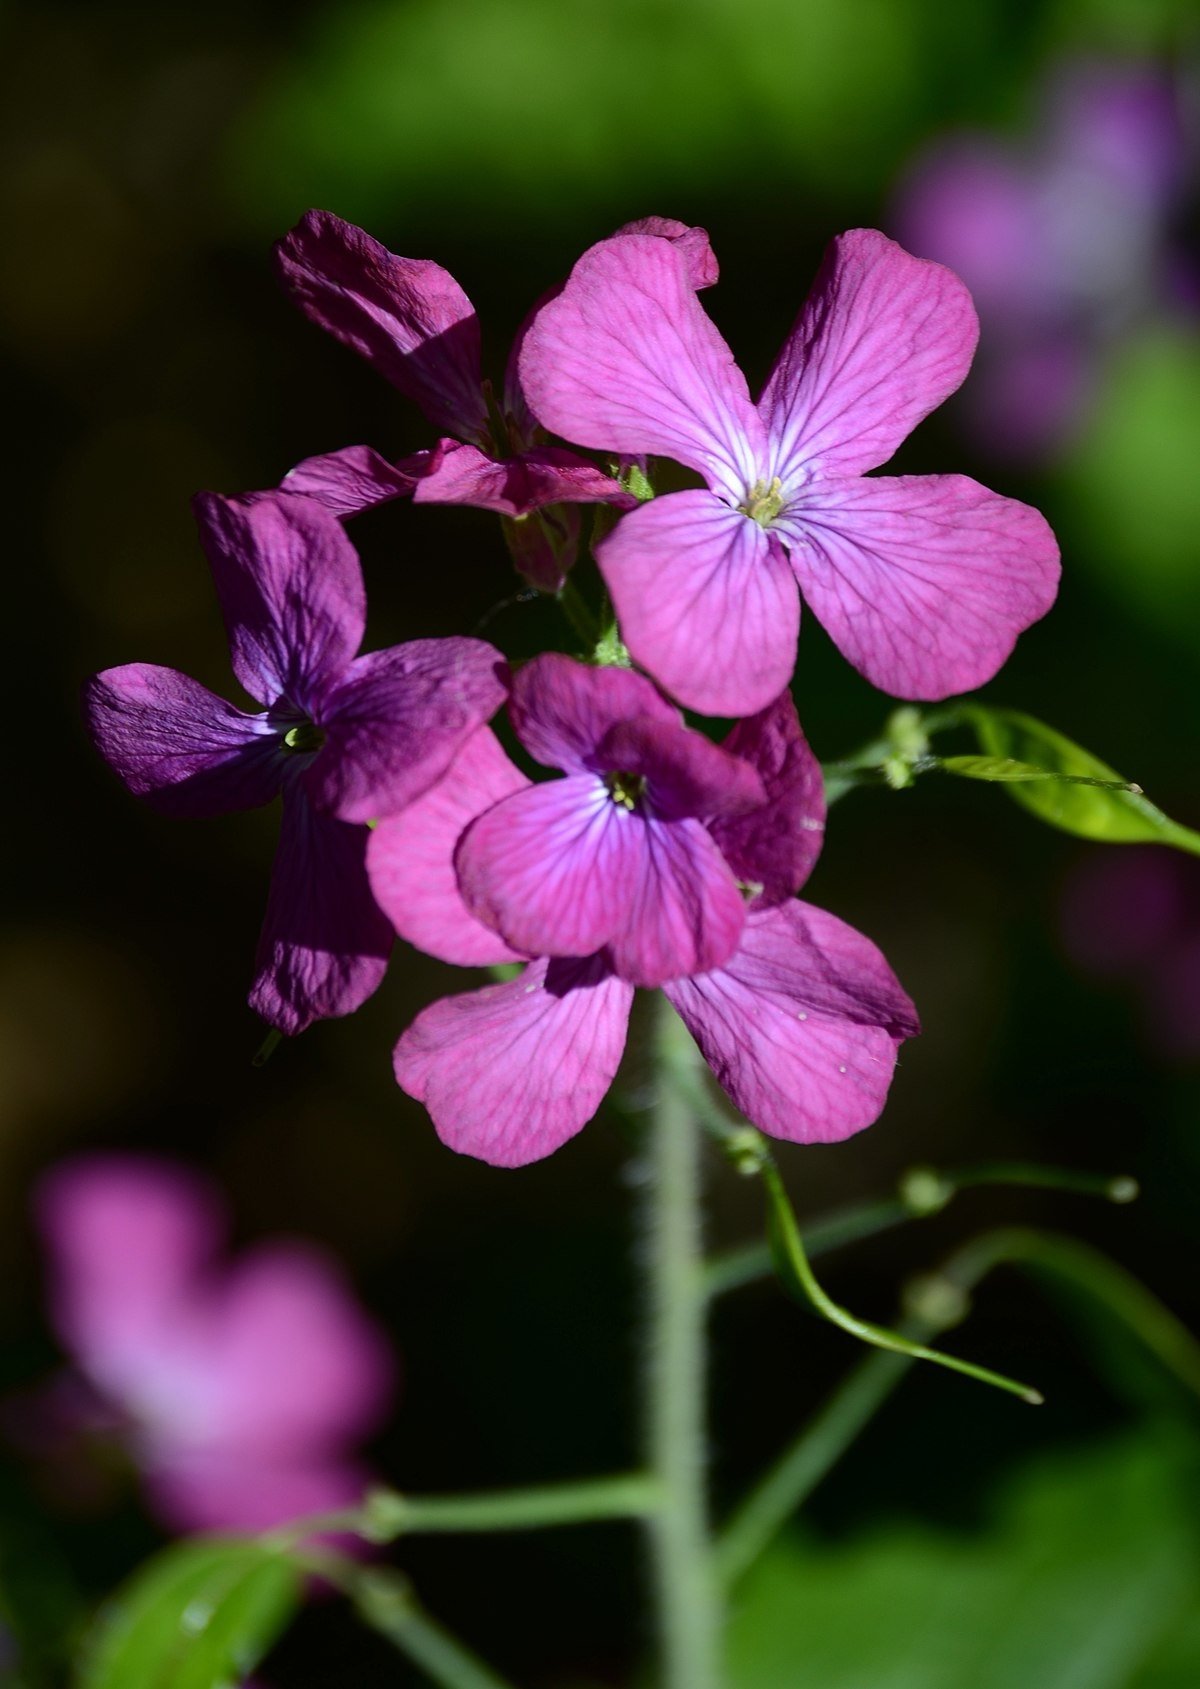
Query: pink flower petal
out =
(882, 340)
(562, 709)
(509, 1073)
(410, 857)
(516, 485)
(179, 746)
(406, 316)
(775, 845)
(802, 1026)
(684, 773)
(625, 360)
(325, 943)
(358, 478)
(291, 591)
(395, 721)
(563, 870)
(226, 1490)
(693, 242)
(705, 602)
(922, 581)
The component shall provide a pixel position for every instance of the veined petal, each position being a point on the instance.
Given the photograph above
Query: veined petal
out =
(802, 1026)
(325, 942)
(406, 316)
(776, 845)
(685, 773)
(693, 242)
(923, 582)
(882, 340)
(704, 601)
(562, 709)
(179, 746)
(625, 360)
(358, 478)
(291, 591)
(410, 857)
(684, 912)
(396, 719)
(509, 1073)
(514, 486)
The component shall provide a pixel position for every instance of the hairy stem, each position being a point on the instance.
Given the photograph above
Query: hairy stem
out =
(675, 1382)
(385, 1601)
(629, 1495)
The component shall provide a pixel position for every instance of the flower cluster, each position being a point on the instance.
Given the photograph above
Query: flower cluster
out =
(658, 858)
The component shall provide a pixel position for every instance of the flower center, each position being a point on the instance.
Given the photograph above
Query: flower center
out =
(305, 736)
(764, 501)
(624, 788)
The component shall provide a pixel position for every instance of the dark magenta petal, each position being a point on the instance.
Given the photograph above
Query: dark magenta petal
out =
(395, 720)
(802, 1026)
(705, 601)
(775, 846)
(881, 341)
(544, 545)
(406, 316)
(291, 592)
(923, 582)
(685, 773)
(325, 942)
(358, 478)
(410, 858)
(562, 869)
(179, 746)
(509, 1073)
(515, 486)
(625, 360)
(693, 242)
(562, 709)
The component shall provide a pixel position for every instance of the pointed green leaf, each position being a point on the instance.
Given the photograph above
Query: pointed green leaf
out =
(201, 1615)
(1089, 799)
(1008, 769)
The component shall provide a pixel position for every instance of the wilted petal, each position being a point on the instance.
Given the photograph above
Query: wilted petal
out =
(776, 845)
(516, 485)
(406, 316)
(179, 746)
(882, 340)
(802, 1026)
(705, 602)
(562, 709)
(126, 1238)
(693, 242)
(410, 857)
(922, 581)
(625, 360)
(395, 721)
(325, 943)
(509, 1073)
(291, 591)
(358, 478)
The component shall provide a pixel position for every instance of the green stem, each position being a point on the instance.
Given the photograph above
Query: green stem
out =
(385, 1601)
(676, 1383)
(629, 1495)
(579, 613)
(746, 1263)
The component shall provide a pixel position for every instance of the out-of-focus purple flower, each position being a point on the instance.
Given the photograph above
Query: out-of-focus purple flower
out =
(1131, 914)
(344, 738)
(655, 861)
(242, 1387)
(923, 582)
(1064, 240)
(412, 322)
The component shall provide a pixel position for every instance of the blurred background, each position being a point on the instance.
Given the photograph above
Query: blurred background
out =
(1050, 150)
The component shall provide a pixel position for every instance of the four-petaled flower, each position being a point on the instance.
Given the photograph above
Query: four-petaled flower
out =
(661, 859)
(923, 582)
(344, 738)
(241, 1390)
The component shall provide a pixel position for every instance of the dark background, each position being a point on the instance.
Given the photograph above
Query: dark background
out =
(149, 157)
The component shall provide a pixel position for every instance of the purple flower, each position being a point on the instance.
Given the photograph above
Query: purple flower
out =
(242, 1388)
(660, 859)
(344, 738)
(923, 582)
(413, 323)
(1064, 239)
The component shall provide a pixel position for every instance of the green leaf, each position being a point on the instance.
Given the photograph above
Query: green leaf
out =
(1007, 768)
(201, 1615)
(1083, 1577)
(1088, 798)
